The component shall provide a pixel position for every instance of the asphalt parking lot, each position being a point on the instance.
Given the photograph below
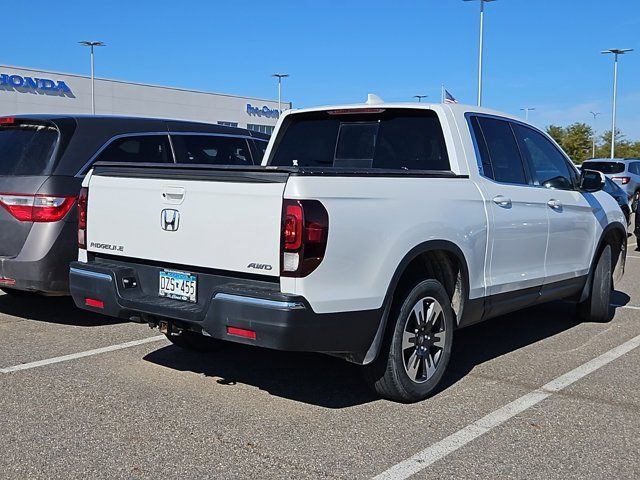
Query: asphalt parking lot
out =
(523, 398)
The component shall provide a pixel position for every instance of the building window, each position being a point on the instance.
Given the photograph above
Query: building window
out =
(228, 124)
(268, 129)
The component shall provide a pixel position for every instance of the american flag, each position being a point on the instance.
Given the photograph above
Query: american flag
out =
(448, 98)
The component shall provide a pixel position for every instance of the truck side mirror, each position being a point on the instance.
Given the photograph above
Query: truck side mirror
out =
(591, 180)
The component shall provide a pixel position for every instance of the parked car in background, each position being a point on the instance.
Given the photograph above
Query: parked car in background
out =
(620, 195)
(371, 233)
(624, 171)
(43, 159)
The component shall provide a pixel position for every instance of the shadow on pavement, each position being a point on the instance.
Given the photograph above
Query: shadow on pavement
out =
(332, 383)
(59, 310)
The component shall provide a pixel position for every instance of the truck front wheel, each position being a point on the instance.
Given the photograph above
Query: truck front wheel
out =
(416, 353)
(596, 306)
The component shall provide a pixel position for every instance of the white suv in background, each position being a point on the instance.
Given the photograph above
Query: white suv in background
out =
(624, 171)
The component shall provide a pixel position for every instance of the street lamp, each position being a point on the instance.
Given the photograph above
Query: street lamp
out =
(616, 52)
(420, 97)
(91, 45)
(482, 2)
(280, 76)
(526, 111)
(593, 137)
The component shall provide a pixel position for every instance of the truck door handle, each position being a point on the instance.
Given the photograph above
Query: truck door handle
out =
(555, 204)
(502, 201)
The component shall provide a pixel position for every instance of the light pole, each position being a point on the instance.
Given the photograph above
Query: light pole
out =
(92, 44)
(593, 137)
(526, 111)
(482, 2)
(616, 52)
(280, 76)
(420, 97)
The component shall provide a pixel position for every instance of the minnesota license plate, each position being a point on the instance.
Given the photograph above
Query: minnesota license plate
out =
(178, 285)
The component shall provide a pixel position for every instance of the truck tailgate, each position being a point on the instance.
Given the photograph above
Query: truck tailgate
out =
(204, 218)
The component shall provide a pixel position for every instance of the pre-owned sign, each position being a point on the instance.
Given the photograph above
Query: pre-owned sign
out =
(34, 84)
(262, 112)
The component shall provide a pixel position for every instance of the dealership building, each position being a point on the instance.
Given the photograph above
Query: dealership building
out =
(24, 90)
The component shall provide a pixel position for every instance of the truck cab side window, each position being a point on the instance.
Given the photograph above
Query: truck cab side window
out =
(501, 151)
(548, 165)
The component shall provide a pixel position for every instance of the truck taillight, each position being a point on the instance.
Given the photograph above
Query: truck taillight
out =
(36, 208)
(82, 217)
(305, 230)
(622, 180)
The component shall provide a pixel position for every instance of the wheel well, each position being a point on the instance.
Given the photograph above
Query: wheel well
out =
(441, 265)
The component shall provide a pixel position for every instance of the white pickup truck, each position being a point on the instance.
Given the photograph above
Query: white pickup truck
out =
(371, 232)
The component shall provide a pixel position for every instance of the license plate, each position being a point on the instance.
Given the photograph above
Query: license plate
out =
(178, 285)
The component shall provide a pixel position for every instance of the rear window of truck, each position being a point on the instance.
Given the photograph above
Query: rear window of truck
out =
(399, 139)
(604, 167)
(26, 149)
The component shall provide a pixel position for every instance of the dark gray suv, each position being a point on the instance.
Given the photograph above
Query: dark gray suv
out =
(43, 159)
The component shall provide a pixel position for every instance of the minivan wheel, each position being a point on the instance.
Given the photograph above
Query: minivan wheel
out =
(195, 342)
(416, 354)
(596, 306)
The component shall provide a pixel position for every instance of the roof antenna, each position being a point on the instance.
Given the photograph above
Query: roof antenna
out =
(373, 99)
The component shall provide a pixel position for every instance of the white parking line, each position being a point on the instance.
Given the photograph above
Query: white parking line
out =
(450, 444)
(632, 256)
(73, 356)
(632, 307)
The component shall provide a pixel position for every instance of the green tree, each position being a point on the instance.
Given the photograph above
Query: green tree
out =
(575, 140)
(556, 132)
(624, 148)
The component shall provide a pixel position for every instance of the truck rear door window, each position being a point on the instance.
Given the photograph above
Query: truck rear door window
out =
(399, 139)
(501, 160)
(27, 149)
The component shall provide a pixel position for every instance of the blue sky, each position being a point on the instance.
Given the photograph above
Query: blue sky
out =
(542, 53)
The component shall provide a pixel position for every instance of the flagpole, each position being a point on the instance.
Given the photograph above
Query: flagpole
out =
(442, 94)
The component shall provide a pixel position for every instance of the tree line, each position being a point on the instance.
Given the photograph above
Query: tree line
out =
(576, 140)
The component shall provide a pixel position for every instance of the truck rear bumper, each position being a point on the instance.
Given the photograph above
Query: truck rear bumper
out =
(225, 304)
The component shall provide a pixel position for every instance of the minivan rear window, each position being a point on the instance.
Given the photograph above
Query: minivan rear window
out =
(374, 138)
(26, 149)
(604, 167)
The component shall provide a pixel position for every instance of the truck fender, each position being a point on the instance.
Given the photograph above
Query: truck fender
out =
(428, 246)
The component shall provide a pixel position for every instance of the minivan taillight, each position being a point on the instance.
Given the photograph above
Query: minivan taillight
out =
(36, 208)
(305, 230)
(622, 180)
(82, 217)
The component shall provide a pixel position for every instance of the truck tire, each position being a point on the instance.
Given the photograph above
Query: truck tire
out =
(596, 306)
(416, 351)
(195, 342)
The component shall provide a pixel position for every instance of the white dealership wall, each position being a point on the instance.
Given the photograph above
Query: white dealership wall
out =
(114, 97)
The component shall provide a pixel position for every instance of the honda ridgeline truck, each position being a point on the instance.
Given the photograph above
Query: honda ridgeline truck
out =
(371, 232)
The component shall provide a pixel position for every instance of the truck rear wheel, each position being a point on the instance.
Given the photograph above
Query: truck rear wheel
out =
(416, 353)
(195, 342)
(596, 306)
